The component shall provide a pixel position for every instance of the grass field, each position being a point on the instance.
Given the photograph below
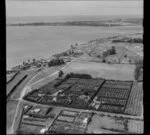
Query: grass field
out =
(99, 122)
(136, 126)
(11, 108)
(19, 89)
(46, 72)
(43, 82)
(103, 70)
(105, 124)
(14, 81)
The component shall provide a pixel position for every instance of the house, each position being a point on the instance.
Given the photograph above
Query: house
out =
(125, 60)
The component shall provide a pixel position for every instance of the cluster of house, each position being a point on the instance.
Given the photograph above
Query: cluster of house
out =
(26, 65)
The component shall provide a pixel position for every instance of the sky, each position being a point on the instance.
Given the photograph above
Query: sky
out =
(73, 8)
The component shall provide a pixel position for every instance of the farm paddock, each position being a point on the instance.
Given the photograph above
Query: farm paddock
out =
(111, 124)
(11, 107)
(113, 96)
(93, 105)
(135, 102)
(71, 122)
(36, 119)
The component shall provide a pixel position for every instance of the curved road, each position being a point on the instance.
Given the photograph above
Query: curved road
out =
(27, 88)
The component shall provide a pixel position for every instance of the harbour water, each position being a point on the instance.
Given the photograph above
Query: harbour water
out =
(29, 42)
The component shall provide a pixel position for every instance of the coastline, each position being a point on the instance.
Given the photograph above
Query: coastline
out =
(61, 54)
(41, 59)
(46, 55)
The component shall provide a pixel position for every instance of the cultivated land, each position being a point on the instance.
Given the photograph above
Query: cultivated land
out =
(109, 102)
(63, 109)
(96, 94)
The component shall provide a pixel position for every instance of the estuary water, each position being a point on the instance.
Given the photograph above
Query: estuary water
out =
(28, 42)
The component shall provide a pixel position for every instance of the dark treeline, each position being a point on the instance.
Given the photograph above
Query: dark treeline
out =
(138, 69)
(55, 62)
(14, 88)
(111, 51)
(74, 23)
(76, 75)
(13, 77)
(131, 40)
(73, 75)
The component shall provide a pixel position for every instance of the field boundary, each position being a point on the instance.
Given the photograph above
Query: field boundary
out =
(13, 77)
(128, 97)
(14, 88)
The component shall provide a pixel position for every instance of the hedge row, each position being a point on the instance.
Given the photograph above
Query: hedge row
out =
(13, 77)
(14, 88)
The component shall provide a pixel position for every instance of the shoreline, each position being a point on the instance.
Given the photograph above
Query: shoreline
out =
(39, 59)
(48, 57)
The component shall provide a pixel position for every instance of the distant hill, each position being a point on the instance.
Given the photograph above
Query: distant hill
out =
(99, 23)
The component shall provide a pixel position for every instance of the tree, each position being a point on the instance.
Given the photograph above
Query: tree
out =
(55, 62)
(104, 54)
(71, 51)
(57, 56)
(86, 93)
(71, 46)
(136, 73)
(33, 60)
(62, 61)
(103, 60)
(76, 75)
(28, 61)
(23, 63)
(60, 73)
(139, 63)
(138, 67)
(98, 56)
(113, 50)
(125, 56)
(65, 54)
